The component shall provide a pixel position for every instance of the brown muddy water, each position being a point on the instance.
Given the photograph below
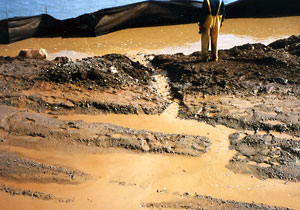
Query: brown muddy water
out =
(158, 40)
(124, 180)
(206, 175)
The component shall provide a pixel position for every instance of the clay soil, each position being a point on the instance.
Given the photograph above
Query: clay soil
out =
(253, 92)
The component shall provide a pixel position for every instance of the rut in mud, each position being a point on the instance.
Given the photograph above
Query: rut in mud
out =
(254, 89)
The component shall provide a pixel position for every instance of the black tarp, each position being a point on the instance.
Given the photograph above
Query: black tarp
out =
(4, 38)
(147, 13)
(151, 13)
(19, 28)
(263, 8)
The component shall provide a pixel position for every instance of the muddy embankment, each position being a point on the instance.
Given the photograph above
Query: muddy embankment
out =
(28, 83)
(253, 88)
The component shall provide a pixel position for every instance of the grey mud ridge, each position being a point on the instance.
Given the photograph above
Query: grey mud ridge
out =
(254, 89)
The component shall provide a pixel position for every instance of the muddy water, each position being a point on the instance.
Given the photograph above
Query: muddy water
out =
(124, 179)
(206, 175)
(166, 39)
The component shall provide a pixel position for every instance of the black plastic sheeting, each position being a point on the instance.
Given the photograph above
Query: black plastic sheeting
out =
(147, 13)
(15, 29)
(263, 8)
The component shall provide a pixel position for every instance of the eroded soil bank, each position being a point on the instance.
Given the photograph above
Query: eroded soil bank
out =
(165, 132)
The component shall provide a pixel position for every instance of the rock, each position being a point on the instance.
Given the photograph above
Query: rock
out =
(39, 53)
(63, 59)
(145, 146)
(186, 194)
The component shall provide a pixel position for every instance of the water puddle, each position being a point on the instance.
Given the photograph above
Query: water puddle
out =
(131, 178)
(206, 175)
(225, 42)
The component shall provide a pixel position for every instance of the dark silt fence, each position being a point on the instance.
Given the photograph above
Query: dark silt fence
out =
(263, 8)
(143, 14)
(148, 13)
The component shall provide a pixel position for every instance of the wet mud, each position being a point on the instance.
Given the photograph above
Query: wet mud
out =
(250, 97)
(42, 129)
(81, 86)
(266, 156)
(252, 85)
(15, 168)
(190, 202)
(32, 194)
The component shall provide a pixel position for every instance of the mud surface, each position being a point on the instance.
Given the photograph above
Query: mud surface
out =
(258, 84)
(80, 86)
(269, 66)
(266, 156)
(32, 127)
(190, 202)
(15, 168)
(32, 194)
(253, 89)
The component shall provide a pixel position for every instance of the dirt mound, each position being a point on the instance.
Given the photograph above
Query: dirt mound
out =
(291, 44)
(112, 83)
(243, 73)
(21, 67)
(100, 72)
(253, 87)
(238, 68)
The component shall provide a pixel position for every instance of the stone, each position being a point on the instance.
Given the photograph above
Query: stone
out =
(39, 53)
